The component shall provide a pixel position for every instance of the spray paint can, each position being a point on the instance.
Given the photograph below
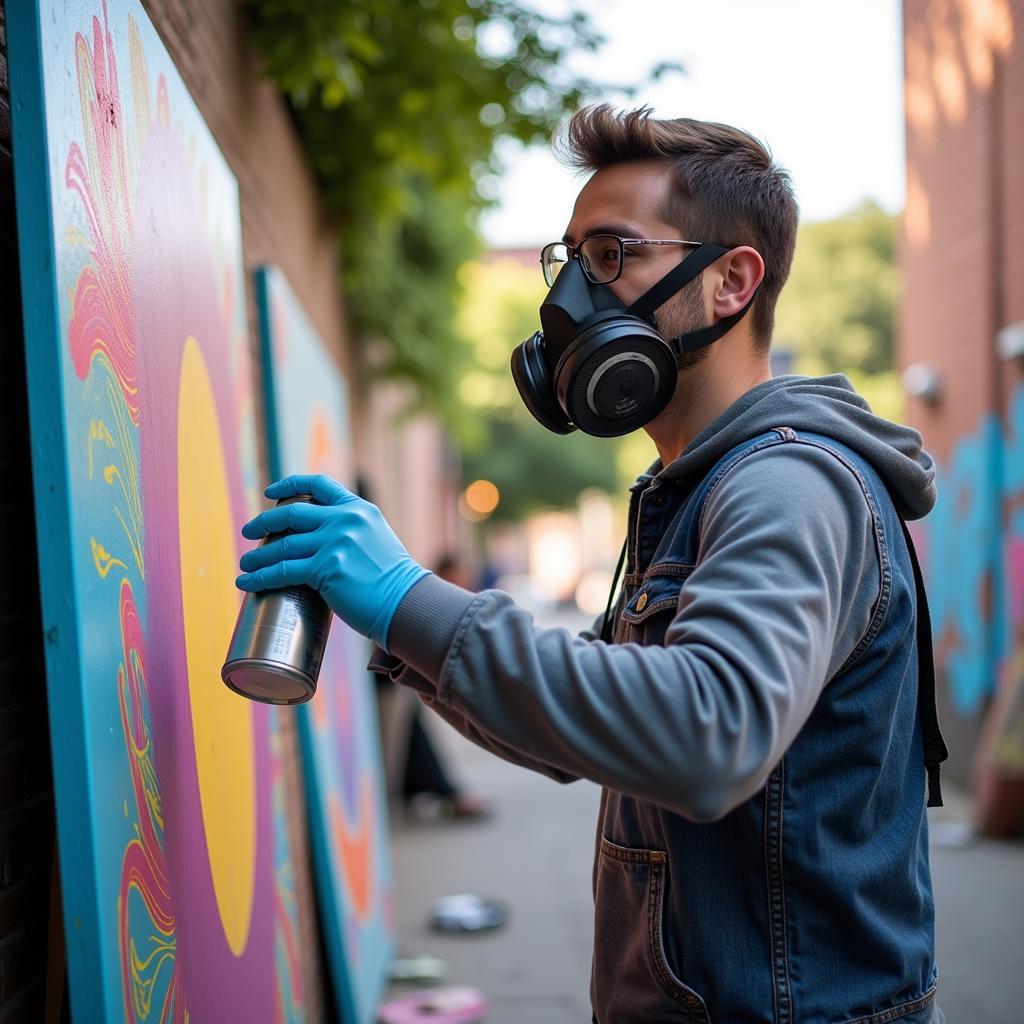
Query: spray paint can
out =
(279, 640)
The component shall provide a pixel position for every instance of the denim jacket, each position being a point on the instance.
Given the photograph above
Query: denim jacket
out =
(811, 901)
(762, 844)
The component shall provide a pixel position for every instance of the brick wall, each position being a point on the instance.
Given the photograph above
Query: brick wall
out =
(26, 787)
(963, 266)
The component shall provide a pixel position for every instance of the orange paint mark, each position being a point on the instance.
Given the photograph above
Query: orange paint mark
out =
(356, 849)
(321, 445)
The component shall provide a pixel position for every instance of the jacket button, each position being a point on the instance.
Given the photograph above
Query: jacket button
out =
(641, 603)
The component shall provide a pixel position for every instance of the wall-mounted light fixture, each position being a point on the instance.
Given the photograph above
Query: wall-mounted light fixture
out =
(1010, 341)
(922, 381)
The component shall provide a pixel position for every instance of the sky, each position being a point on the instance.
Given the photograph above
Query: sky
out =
(819, 82)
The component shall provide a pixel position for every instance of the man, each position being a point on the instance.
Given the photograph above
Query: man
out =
(755, 719)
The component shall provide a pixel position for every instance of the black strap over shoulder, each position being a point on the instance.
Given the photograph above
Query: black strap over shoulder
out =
(606, 626)
(935, 750)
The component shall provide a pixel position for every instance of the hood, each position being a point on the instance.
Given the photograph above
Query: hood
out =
(822, 405)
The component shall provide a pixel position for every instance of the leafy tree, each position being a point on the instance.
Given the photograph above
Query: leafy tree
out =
(838, 309)
(531, 467)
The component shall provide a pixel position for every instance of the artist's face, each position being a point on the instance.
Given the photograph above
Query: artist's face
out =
(629, 200)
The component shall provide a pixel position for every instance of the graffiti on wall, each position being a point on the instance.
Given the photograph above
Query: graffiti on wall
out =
(174, 854)
(308, 432)
(973, 543)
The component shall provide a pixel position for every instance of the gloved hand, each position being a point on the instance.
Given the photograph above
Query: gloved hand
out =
(341, 546)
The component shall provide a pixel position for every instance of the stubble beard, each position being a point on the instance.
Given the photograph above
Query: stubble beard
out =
(682, 313)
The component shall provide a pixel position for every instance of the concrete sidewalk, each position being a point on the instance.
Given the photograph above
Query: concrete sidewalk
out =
(536, 854)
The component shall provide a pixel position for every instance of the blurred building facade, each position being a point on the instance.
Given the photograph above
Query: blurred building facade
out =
(961, 342)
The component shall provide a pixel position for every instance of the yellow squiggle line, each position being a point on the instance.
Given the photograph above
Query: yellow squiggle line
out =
(133, 543)
(98, 432)
(144, 755)
(126, 431)
(100, 355)
(101, 555)
(125, 474)
(143, 988)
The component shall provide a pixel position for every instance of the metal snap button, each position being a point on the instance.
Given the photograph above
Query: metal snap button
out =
(641, 603)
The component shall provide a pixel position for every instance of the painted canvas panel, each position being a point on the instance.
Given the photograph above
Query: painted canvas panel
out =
(308, 432)
(175, 863)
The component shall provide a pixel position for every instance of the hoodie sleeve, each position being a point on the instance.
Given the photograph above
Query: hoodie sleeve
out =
(787, 575)
(382, 661)
(399, 671)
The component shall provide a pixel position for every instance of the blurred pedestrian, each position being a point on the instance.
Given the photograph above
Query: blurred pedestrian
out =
(427, 787)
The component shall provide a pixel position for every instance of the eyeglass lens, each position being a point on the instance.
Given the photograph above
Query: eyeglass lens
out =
(553, 257)
(600, 258)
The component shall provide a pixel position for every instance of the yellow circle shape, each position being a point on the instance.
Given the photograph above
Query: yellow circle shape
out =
(222, 724)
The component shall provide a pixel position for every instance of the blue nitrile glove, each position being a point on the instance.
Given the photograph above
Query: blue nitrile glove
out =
(340, 546)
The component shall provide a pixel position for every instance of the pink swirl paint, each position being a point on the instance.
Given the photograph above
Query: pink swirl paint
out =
(143, 869)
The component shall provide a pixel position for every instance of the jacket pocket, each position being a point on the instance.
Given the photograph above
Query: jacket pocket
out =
(651, 609)
(632, 981)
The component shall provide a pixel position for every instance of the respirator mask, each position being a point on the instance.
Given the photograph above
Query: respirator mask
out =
(600, 366)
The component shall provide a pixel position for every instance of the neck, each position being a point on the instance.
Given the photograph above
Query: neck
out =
(704, 391)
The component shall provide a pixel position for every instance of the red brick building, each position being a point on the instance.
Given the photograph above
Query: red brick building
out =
(962, 327)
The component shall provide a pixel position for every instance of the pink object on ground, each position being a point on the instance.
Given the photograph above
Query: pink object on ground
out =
(449, 1004)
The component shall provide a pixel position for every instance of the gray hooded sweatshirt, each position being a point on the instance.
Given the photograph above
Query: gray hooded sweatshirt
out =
(786, 579)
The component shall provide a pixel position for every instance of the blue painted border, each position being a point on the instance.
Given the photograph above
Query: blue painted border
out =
(325, 870)
(261, 276)
(52, 491)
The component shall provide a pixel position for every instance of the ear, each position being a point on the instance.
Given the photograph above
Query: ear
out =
(742, 270)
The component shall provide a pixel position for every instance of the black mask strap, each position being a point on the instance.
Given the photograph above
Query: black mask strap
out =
(698, 339)
(699, 260)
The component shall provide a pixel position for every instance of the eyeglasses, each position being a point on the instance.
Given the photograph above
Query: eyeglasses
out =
(601, 256)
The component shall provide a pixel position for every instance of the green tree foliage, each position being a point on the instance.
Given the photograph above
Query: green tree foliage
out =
(401, 289)
(532, 468)
(385, 90)
(837, 307)
(837, 311)
(400, 105)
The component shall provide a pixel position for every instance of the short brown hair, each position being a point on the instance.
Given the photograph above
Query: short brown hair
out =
(728, 189)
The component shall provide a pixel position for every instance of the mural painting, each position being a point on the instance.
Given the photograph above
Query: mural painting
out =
(307, 418)
(973, 551)
(175, 863)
